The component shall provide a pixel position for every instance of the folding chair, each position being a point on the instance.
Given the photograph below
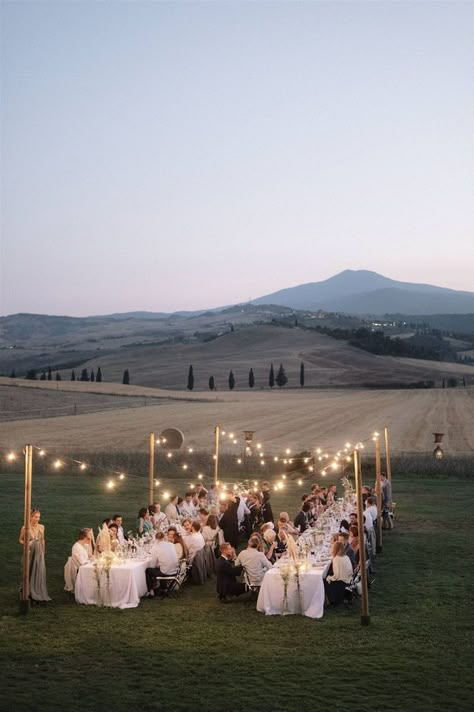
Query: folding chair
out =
(249, 586)
(172, 584)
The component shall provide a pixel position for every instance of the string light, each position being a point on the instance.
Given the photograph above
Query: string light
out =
(200, 476)
(83, 466)
(121, 476)
(11, 456)
(110, 484)
(166, 495)
(57, 464)
(42, 453)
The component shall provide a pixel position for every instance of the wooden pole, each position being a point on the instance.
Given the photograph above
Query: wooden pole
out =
(378, 490)
(25, 591)
(151, 468)
(387, 455)
(216, 454)
(365, 617)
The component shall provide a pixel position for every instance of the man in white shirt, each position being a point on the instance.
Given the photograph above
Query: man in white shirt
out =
(164, 560)
(118, 520)
(80, 550)
(187, 507)
(255, 563)
(194, 541)
(371, 508)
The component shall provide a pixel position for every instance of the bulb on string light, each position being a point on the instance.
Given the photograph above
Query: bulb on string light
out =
(83, 466)
(255, 482)
(169, 454)
(200, 476)
(42, 453)
(190, 449)
(222, 496)
(311, 468)
(283, 477)
(348, 445)
(300, 482)
(163, 440)
(275, 458)
(214, 457)
(262, 462)
(323, 472)
(185, 467)
(231, 436)
(157, 483)
(57, 464)
(11, 456)
(239, 461)
(259, 446)
(121, 476)
(110, 484)
(287, 450)
(166, 495)
(222, 432)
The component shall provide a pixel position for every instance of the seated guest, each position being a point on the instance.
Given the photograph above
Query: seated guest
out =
(171, 510)
(203, 515)
(178, 542)
(269, 539)
(226, 583)
(187, 526)
(188, 508)
(179, 506)
(254, 562)
(213, 494)
(353, 519)
(202, 499)
(102, 543)
(301, 519)
(79, 556)
(280, 541)
(164, 560)
(354, 542)
(157, 516)
(194, 540)
(144, 524)
(335, 584)
(348, 550)
(210, 531)
(114, 542)
(118, 520)
(332, 494)
(344, 526)
(285, 522)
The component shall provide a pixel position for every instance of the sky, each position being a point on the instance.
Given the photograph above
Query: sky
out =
(182, 155)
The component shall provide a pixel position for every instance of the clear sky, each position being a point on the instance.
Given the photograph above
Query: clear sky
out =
(182, 155)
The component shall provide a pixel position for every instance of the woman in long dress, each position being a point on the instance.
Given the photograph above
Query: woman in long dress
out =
(38, 588)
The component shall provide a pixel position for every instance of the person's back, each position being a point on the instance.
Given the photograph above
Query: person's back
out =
(254, 562)
(164, 557)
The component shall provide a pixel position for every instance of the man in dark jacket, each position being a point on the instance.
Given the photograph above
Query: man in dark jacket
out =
(226, 573)
(301, 519)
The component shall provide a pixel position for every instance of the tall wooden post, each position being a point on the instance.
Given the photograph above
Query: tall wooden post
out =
(216, 453)
(387, 455)
(151, 468)
(25, 591)
(378, 490)
(365, 617)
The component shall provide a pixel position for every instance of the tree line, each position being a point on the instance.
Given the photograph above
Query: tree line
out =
(279, 379)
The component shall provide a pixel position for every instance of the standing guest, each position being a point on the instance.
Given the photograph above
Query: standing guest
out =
(242, 511)
(37, 546)
(144, 524)
(229, 524)
(266, 506)
(344, 526)
(332, 494)
(254, 562)
(171, 510)
(335, 584)
(164, 559)
(301, 520)
(365, 493)
(157, 516)
(226, 585)
(371, 508)
(213, 494)
(178, 542)
(386, 491)
(118, 520)
(194, 540)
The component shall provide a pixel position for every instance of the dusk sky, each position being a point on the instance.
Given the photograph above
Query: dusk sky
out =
(183, 155)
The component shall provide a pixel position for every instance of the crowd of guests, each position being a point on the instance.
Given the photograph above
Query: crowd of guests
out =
(207, 527)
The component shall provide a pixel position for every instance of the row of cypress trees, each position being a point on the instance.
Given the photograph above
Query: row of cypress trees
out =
(280, 379)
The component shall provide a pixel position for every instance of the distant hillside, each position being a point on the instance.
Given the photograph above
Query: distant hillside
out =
(365, 292)
(328, 362)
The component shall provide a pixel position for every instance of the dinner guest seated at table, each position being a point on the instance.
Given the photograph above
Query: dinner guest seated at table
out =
(269, 539)
(194, 540)
(348, 550)
(226, 585)
(164, 560)
(188, 508)
(344, 526)
(210, 531)
(114, 542)
(354, 542)
(101, 543)
(255, 563)
(301, 520)
(281, 542)
(203, 515)
(80, 555)
(178, 542)
(157, 516)
(285, 522)
(144, 523)
(335, 584)
(118, 520)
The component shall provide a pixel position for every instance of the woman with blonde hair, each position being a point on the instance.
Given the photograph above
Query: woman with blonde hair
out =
(335, 584)
(38, 588)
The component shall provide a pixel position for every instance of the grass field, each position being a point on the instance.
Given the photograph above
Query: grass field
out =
(194, 652)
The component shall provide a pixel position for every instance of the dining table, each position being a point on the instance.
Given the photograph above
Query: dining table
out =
(122, 587)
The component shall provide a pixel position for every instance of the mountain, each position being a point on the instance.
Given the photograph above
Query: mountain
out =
(365, 292)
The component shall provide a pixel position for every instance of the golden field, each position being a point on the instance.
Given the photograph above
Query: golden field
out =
(295, 418)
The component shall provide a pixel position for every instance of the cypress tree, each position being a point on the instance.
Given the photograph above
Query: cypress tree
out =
(190, 385)
(271, 377)
(251, 378)
(92, 375)
(73, 375)
(43, 376)
(231, 381)
(302, 375)
(58, 376)
(50, 375)
(13, 374)
(84, 375)
(99, 376)
(281, 378)
(31, 375)
(212, 385)
(126, 377)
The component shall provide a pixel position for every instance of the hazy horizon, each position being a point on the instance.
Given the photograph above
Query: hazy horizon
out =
(183, 156)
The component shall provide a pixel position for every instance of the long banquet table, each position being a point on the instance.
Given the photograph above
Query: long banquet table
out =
(308, 602)
(127, 584)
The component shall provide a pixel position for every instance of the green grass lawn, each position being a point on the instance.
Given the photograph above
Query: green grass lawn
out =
(194, 652)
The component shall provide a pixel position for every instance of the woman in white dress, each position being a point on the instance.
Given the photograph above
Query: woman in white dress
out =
(38, 588)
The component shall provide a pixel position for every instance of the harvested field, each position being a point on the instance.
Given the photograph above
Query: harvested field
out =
(294, 418)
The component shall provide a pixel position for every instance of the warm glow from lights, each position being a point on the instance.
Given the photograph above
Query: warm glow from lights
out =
(235, 487)
(239, 461)
(185, 467)
(57, 464)
(255, 482)
(287, 450)
(83, 466)
(283, 477)
(318, 451)
(348, 445)
(275, 458)
(190, 449)
(323, 472)
(200, 476)
(259, 445)
(222, 432)
(166, 495)
(170, 454)
(11, 456)
(334, 465)
(163, 440)
(42, 453)
(222, 496)
(122, 476)
(231, 436)
(110, 484)
(214, 457)
(300, 482)
(311, 468)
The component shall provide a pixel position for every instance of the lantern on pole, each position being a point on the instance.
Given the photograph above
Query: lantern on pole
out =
(438, 451)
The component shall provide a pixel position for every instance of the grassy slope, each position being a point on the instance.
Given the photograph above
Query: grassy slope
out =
(175, 655)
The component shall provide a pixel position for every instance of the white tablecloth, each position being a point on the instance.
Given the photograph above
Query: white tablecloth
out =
(127, 585)
(310, 600)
